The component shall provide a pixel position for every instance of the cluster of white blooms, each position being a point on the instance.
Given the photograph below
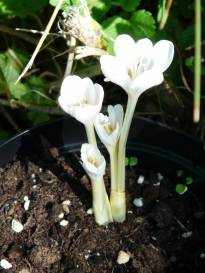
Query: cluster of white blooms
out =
(136, 67)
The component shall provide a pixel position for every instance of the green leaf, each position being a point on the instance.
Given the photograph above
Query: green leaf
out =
(37, 118)
(179, 173)
(68, 3)
(186, 37)
(181, 188)
(143, 24)
(21, 8)
(161, 8)
(100, 8)
(12, 62)
(17, 90)
(129, 5)
(133, 161)
(189, 180)
(11, 65)
(65, 5)
(4, 135)
(189, 62)
(116, 25)
(126, 161)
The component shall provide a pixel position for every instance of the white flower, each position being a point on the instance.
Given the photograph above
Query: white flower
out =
(92, 161)
(137, 66)
(81, 98)
(109, 127)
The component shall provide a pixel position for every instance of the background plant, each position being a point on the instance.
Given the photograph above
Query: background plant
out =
(33, 100)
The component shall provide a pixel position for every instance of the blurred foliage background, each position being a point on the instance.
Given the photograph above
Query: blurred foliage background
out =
(82, 31)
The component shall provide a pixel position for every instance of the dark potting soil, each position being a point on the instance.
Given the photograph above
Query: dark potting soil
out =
(60, 236)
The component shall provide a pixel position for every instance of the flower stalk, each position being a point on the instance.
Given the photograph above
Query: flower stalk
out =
(117, 197)
(90, 132)
(131, 104)
(94, 164)
(101, 204)
(109, 130)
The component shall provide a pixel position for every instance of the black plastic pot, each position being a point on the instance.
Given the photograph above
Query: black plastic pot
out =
(157, 146)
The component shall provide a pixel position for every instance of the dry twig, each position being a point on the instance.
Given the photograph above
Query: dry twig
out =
(43, 37)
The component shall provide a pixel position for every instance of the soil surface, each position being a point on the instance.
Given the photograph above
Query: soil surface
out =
(60, 236)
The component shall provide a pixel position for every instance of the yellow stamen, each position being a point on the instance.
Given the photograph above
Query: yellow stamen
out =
(108, 128)
(129, 73)
(93, 161)
(84, 100)
(81, 102)
(141, 69)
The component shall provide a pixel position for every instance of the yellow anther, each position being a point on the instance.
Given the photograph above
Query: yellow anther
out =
(93, 161)
(141, 69)
(108, 128)
(129, 73)
(84, 100)
(81, 102)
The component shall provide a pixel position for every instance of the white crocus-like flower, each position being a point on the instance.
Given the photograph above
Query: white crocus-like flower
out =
(94, 164)
(93, 161)
(139, 65)
(109, 127)
(81, 98)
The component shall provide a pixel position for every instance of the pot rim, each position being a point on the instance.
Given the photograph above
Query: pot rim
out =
(145, 135)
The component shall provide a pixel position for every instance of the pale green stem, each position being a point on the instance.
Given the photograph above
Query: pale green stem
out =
(117, 196)
(89, 127)
(132, 101)
(197, 64)
(117, 199)
(118, 206)
(101, 204)
(113, 165)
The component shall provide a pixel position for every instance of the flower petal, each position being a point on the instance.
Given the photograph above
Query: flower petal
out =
(85, 113)
(163, 54)
(111, 114)
(102, 125)
(119, 113)
(124, 47)
(69, 84)
(99, 95)
(100, 121)
(143, 48)
(115, 71)
(81, 90)
(96, 169)
(145, 81)
(63, 103)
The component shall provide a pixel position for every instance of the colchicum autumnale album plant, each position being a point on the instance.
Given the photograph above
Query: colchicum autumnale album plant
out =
(136, 67)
